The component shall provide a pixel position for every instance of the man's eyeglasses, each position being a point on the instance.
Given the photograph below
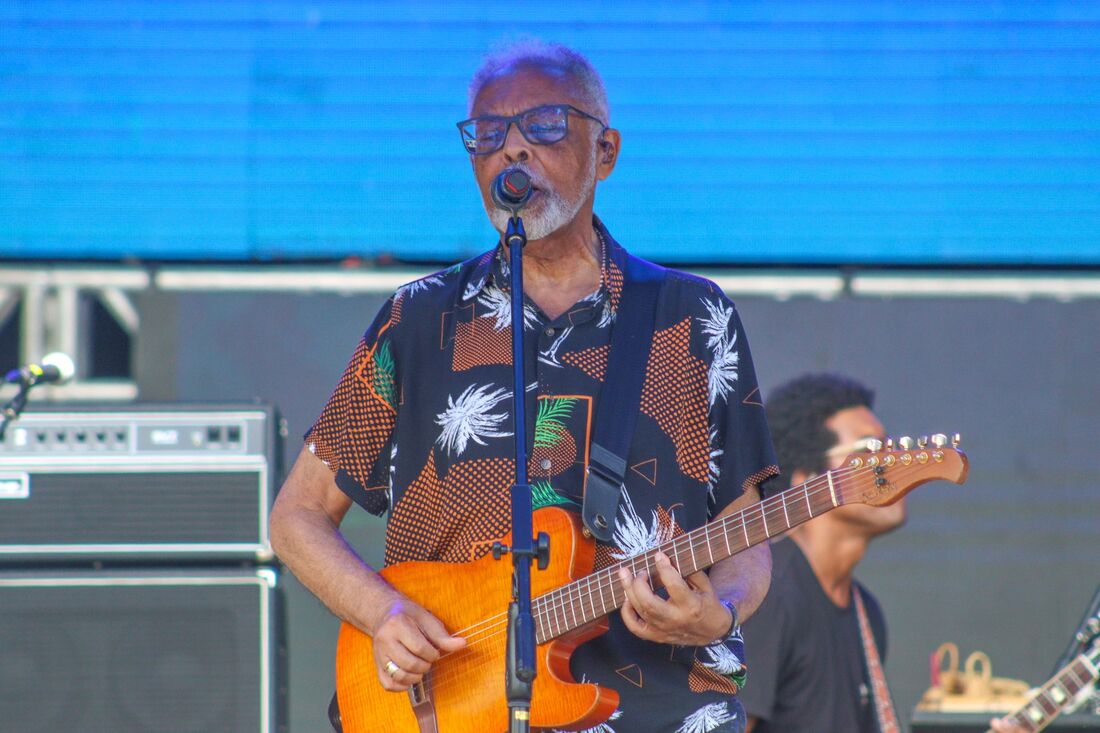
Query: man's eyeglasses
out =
(539, 126)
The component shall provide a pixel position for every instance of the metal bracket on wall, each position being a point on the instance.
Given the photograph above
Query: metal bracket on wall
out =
(53, 319)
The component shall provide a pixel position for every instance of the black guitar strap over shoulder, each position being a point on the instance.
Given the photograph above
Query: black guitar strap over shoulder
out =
(621, 395)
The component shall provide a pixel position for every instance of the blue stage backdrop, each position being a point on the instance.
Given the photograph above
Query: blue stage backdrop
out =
(943, 131)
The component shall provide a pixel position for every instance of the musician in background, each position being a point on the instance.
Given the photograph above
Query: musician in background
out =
(419, 426)
(805, 648)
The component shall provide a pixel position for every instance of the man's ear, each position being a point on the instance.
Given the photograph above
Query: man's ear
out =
(608, 147)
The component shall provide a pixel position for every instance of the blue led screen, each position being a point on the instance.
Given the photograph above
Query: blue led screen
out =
(754, 132)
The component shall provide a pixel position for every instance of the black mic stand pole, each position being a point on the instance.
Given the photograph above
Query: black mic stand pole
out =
(15, 406)
(521, 661)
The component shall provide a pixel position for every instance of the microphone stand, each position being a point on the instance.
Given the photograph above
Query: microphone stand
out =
(521, 660)
(14, 407)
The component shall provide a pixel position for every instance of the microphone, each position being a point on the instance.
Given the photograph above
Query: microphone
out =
(56, 368)
(511, 190)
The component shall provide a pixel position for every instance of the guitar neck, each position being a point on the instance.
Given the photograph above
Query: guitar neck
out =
(1056, 694)
(589, 599)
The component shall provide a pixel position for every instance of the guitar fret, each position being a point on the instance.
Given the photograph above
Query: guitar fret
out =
(691, 549)
(832, 488)
(786, 517)
(726, 537)
(706, 537)
(764, 517)
(809, 507)
(745, 528)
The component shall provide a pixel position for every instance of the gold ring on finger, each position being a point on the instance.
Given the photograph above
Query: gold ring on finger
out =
(391, 668)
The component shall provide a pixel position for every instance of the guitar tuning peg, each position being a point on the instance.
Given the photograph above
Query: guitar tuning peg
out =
(939, 440)
(905, 442)
(874, 445)
(922, 442)
(889, 444)
(955, 440)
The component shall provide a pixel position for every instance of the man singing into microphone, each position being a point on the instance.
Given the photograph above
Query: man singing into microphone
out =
(420, 424)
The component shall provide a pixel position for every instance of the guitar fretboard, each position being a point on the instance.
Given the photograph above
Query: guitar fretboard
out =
(593, 597)
(1058, 692)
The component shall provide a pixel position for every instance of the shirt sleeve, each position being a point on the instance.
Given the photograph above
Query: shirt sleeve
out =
(353, 432)
(741, 447)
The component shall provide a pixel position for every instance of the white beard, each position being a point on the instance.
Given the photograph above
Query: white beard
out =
(552, 211)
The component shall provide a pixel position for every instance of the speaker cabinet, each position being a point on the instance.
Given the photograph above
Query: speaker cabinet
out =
(167, 483)
(135, 652)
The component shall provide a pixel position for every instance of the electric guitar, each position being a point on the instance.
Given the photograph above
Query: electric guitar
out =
(1056, 695)
(464, 691)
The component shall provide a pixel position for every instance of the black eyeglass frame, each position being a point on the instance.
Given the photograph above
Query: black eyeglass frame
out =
(467, 141)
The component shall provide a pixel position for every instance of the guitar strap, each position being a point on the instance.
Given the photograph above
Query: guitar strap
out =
(621, 395)
(884, 707)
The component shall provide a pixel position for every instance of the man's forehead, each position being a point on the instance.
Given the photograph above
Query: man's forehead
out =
(524, 85)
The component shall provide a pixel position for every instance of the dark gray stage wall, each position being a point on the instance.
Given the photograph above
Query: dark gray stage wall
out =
(1005, 563)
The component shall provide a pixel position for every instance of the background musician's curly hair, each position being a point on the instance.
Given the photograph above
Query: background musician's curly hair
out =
(797, 411)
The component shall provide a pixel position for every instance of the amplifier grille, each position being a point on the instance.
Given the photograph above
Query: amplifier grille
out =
(134, 656)
(128, 508)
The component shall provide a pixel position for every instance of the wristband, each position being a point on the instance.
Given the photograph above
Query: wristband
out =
(733, 619)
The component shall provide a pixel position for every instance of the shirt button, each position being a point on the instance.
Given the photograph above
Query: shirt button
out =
(545, 464)
(550, 330)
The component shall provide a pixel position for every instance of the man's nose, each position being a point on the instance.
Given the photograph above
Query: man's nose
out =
(515, 146)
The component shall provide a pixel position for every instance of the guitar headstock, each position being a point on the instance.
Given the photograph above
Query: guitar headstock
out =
(886, 472)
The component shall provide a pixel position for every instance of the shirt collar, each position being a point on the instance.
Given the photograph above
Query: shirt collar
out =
(492, 267)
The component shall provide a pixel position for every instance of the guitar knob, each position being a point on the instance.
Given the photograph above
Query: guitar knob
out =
(955, 440)
(874, 445)
(939, 440)
(922, 442)
(905, 442)
(889, 444)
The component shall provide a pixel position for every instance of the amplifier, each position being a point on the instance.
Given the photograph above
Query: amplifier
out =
(163, 652)
(139, 482)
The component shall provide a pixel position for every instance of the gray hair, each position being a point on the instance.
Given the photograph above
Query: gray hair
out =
(587, 82)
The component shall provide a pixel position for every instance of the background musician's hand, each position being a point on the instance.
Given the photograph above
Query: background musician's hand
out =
(692, 615)
(407, 640)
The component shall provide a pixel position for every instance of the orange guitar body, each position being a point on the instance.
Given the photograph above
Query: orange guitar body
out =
(467, 687)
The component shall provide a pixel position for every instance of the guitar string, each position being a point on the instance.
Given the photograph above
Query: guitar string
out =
(761, 512)
(607, 576)
(767, 507)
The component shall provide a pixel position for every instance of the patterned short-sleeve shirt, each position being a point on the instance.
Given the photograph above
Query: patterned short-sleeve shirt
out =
(419, 426)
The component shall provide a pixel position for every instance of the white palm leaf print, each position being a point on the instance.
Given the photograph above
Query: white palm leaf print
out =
(632, 535)
(714, 471)
(723, 368)
(550, 355)
(468, 418)
(602, 727)
(393, 471)
(411, 289)
(722, 659)
(706, 718)
(473, 288)
(499, 304)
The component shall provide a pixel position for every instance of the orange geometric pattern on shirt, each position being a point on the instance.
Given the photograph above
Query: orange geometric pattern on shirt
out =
(479, 343)
(592, 362)
(455, 518)
(702, 679)
(675, 396)
(614, 284)
(357, 423)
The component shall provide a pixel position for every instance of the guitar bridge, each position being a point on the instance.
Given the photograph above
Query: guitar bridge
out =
(418, 693)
